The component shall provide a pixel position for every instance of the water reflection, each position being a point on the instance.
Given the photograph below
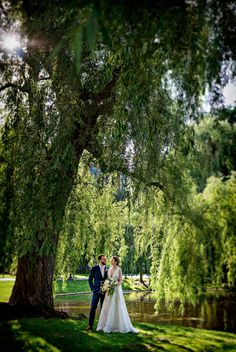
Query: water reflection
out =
(217, 311)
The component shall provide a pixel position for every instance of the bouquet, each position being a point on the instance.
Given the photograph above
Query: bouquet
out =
(109, 286)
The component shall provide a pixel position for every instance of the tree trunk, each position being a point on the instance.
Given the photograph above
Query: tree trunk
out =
(141, 273)
(33, 289)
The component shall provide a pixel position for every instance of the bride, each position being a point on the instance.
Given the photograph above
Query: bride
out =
(114, 316)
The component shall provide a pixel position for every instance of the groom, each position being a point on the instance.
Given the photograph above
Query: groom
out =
(97, 276)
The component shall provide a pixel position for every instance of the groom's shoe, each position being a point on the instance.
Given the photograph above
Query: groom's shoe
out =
(89, 328)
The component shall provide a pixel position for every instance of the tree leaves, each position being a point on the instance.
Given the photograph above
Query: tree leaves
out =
(121, 84)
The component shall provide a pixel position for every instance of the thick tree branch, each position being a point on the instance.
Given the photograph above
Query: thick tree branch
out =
(12, 85)
(100, 105)
(105, 93)
(44, 78)
(108, 90)
(96, 151)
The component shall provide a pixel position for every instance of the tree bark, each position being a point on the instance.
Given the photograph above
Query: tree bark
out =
(33, 289)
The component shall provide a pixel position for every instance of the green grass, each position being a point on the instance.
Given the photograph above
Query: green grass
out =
(66, 287)
(38, 334)
(5, 290)
(60, 287)
(71, 286)
(70, 335)
(82, 276)
(77, 298)
(3, 276)
(83, 286)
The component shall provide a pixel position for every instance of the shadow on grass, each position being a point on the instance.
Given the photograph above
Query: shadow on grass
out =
(63, 335)
(182, 338)
(9, 341)
(39, 334)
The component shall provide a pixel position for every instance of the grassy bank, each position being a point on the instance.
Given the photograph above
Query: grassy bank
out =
(7, 276)
(68, 287)
(59, 288)
(5, 290)
(38, 334)
(83, 286)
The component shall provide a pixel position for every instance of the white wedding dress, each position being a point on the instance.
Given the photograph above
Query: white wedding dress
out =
(114, 316)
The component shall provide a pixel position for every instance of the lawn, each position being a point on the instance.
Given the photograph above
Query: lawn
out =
(5, 290)
(4, 276)
(83, 286)
(38, 334)
(61, 287)
(71, 286)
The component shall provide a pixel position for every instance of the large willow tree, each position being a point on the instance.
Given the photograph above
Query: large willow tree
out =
(118, 79)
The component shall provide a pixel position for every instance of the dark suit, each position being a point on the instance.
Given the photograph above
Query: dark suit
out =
(95, 281)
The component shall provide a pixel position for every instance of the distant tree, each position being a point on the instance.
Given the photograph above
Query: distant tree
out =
(198, 246)
(214, 148)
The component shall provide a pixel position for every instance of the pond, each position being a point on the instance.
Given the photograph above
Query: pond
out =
(217, 311)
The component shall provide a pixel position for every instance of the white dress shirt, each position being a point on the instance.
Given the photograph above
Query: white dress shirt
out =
(102, 268)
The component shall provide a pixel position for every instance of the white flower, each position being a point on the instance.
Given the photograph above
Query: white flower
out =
(109, 286)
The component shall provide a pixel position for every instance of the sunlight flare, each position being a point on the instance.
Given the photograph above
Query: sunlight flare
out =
(11, 42)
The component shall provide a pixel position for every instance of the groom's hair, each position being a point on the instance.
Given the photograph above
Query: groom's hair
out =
(100, 256)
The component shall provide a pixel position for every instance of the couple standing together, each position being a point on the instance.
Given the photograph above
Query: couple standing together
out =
(114, 316)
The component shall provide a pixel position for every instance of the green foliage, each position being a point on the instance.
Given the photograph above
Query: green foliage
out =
(219, 199)
(7, 146)
(97, 222)
(94, 222)
(214, 148)
(198, 244)
(42, 164)
(121, 85)
(67, 112)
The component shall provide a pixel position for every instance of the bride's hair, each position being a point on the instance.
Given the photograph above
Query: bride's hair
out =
(117, 259)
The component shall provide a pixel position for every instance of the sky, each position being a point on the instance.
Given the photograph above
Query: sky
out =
(230, 93)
